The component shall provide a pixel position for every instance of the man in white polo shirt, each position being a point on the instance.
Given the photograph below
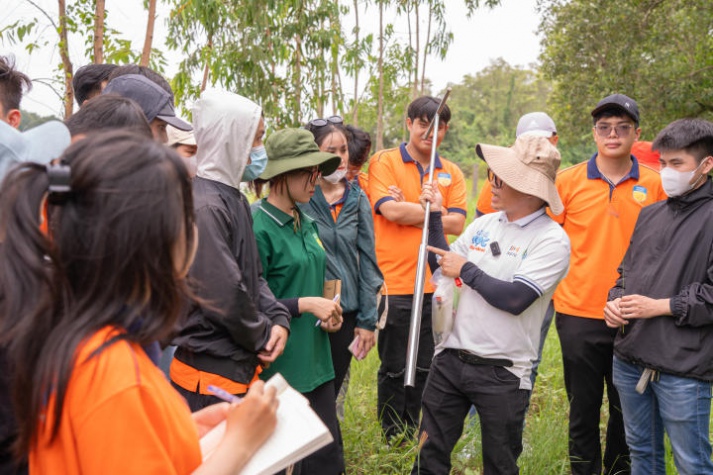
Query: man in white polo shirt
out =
(510, 263)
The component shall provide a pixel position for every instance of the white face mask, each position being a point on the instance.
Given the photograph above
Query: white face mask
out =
(336, 176)
(677, 183)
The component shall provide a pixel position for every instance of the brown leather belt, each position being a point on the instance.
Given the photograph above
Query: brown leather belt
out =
(470, 358)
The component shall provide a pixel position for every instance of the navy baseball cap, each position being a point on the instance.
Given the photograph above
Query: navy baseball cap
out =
(154, 101)
(618, 102)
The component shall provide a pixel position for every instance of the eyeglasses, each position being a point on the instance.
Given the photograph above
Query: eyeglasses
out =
(622, 130)
(494, 179)
(313, 174)
(335, 119)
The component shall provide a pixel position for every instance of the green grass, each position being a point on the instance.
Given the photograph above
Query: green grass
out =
(544, 441)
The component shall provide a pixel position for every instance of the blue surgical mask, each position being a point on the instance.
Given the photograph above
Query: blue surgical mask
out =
(258, 162)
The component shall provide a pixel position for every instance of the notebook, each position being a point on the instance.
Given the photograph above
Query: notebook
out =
(299, 433)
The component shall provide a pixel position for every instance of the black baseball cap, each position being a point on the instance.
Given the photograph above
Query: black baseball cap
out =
(153, 100)
(618, 102)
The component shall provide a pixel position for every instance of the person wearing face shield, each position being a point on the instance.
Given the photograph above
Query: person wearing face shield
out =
(242, 328)
(662, 308)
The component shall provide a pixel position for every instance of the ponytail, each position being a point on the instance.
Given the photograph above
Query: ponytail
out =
(105, 259)
(25, 277)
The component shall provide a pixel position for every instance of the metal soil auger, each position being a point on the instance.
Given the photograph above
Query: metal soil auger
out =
(414, 330)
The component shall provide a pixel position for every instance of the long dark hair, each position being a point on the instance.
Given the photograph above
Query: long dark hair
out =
(107, 260)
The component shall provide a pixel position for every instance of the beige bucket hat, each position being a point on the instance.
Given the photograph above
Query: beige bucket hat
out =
(529, 166)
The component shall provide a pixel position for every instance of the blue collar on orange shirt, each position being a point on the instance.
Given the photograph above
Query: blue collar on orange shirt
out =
(407, 158)
(593, 172)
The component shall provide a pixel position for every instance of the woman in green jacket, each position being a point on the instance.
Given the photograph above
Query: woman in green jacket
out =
(346, 228)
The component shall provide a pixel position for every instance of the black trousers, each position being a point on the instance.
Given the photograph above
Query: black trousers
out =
(451, 389)
(341, 356)
(587, 353)
(197, 401)
(399, 407)
(329, 460)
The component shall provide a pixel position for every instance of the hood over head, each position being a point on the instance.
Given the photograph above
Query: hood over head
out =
(224, 125)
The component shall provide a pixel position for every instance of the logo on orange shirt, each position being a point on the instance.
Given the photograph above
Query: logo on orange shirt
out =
(444, 179)
(639, 193)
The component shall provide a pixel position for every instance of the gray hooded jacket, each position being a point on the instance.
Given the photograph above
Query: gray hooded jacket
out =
(226, 338)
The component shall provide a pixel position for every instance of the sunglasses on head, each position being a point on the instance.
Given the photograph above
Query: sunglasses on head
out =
(335, 119)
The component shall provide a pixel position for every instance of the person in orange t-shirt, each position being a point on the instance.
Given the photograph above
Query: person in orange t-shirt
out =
(646, 155)
(602, 198)
(98, 291)
(395, 180)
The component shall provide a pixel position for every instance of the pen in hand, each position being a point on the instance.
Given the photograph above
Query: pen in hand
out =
(223, 394)
(335, 299)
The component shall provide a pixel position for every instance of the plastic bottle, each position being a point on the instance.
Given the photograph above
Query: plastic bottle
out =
(444, 306)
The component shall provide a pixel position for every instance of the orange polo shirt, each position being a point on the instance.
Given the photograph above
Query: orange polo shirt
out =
(485, 199)
(363, 179)
(120, 416)
(397, 245)
(599, 219)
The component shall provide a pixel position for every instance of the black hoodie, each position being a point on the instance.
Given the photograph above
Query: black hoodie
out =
(671, 256)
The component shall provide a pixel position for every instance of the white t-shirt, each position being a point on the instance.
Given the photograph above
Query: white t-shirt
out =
(534, 250)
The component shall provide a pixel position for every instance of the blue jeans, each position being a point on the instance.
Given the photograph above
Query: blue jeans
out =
(681, 406)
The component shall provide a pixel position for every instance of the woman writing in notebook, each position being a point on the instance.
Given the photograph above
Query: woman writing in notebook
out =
(83, 305)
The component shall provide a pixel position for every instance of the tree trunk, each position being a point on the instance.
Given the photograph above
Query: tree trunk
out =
(99, 32)
(297, 81)
(355, 112)
(426, 48)
(380, 102)
(148, 40)
(475, 177)
(66, 63)
(206, 70)
(418, 52)
(335, 99)
(410, 37)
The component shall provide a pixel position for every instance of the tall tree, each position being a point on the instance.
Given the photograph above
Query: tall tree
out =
(281, 54)
(148, 37)
(67, 68)
(357, 68)
(99, 31)
(83, 19)
(489, 105)
(380, 99)
(655, 51)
